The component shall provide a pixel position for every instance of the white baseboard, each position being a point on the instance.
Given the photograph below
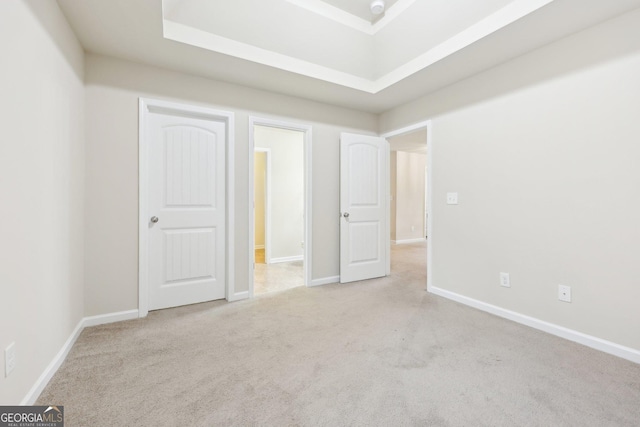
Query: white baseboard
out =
(53, 367)
(59, 358)
(286, 259)
(404, 242)
(238, 296)
(103, 319)
(259, 247)
(324, 281)
(590, 341)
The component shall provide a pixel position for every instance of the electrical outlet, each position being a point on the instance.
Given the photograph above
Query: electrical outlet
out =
(504, 280)
(9, 359)
(564, 293)
(452, 198)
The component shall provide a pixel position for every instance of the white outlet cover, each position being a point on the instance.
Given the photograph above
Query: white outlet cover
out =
(9, 359)
(452, 198)
(564, 293)
(504, 280)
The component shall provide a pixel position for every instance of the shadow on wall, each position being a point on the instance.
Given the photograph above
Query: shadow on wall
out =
(61, 35)
(588, 48)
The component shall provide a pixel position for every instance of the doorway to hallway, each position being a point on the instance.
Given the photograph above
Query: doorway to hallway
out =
(409, 193)
(409, 261)
(280, 197)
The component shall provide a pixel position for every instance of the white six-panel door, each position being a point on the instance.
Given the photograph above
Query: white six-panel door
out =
(186, 210)
(363, 207)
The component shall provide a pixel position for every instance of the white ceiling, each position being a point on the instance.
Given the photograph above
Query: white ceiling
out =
(325, 54)
(359, 8)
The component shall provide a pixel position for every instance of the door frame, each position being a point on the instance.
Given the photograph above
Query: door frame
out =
(147, 106)
(308, 246)
(267, 203)
(428, 125)
(425, 230)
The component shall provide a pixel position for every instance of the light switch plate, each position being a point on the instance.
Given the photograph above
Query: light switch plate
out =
(452, 198)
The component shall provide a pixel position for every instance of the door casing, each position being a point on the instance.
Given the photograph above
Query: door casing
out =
(146, 107)
(308, 246)
(427, 124)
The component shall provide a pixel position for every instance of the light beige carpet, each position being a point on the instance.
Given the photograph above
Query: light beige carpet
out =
(373, 353)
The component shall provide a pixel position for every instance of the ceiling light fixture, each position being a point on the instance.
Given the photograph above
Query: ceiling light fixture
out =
(377, 7)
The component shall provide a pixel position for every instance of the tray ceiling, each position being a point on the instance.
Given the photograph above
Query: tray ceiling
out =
(289, 35)
(336, 55)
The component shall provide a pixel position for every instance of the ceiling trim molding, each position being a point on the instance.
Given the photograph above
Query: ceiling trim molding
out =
(345, 18)
(203, 39)
(189, 35)
(335, 14)
(470, 35)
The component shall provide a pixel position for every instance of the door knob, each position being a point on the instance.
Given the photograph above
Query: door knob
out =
(346, 215)
(154, 219)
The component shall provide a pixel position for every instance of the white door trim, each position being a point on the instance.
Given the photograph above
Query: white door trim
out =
(422, 125)
(425, 232)
(307, 130)
(267, 204)
(146, 106)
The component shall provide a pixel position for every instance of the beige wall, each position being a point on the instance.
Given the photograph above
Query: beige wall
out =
(408, 202)
(286, 218)
(42, 185)
(543, 152)
(112, 91)
(259, 196)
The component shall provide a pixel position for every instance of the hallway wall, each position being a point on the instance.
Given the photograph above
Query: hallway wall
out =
(259, 198)
(408, 196)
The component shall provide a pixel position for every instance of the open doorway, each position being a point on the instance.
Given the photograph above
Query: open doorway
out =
(280, 230)
(409, 196)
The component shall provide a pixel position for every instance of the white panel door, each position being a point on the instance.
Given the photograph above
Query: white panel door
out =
(186, 210)
(364, 180)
